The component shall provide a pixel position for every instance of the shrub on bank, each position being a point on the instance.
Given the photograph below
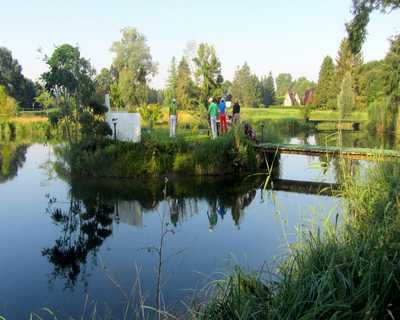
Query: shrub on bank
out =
(156, 155)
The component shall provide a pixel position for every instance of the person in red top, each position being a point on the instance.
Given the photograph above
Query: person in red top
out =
(222, 115)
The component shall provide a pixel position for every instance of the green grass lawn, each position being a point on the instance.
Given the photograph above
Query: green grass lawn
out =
(278, 113)
(161, 133)
(256, 115)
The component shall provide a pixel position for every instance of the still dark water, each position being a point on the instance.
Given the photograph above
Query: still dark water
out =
(66, 242)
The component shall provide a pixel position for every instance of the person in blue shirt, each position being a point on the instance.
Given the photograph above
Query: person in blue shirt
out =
(222, 115)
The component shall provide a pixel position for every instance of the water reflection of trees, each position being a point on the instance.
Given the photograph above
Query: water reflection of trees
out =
(181, 197)
(84, 225)
(356, 139)
(86, 221)
(12, 158)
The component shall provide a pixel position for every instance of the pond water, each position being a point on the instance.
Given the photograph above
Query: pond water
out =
(287, 132)
(70, 245)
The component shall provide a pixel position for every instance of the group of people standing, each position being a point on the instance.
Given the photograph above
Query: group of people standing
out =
(215, 111)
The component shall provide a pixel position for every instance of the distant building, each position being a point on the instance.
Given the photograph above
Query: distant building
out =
(291, 99)
(309, 97)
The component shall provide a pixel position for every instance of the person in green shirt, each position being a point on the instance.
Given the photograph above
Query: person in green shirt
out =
(172, 119)
(213, 112)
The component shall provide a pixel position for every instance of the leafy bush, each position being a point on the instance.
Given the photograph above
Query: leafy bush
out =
(151, 113)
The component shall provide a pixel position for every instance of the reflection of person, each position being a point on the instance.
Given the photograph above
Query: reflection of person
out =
(213, 112)
(222, 116)
(172, 119)
(240, 203)
(212, 217)
(236, 112)
(221, 211)
(248, 198)
(174, 211)
(237, 211)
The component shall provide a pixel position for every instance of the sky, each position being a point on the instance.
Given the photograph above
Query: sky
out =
(291, 36)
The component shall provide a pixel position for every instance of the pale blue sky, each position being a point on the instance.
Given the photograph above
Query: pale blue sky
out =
(281, 36)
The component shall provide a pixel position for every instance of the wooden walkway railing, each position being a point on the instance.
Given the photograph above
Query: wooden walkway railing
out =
(354, 153)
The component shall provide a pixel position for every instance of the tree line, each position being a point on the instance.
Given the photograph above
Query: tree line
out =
(192, 79)
(197, 75)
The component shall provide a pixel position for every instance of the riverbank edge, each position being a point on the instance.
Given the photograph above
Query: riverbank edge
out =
(229, 155)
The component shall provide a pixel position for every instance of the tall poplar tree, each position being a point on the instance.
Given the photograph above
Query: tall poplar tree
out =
(346, 61)
(325, 93)
(346, 98)
(184, 85)
(268, 90)
(170, 92)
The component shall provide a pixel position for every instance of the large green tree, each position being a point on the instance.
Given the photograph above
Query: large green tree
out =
(357, 28)
(284, 83)
(246, 87)
(325, 92)
(70, 76)
(372, 81)
(70, 80)
(392, 79)
(207, 72)
(134, 67)
(11, 77)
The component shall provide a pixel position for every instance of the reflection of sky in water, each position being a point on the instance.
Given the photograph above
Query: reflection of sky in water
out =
(266, 222)
(310, 140)
(305, 168)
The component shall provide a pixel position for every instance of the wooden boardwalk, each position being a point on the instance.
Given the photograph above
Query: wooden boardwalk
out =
(306, 187)
(353, 153)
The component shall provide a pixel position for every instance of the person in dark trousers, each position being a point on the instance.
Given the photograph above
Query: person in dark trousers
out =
(236, 112)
